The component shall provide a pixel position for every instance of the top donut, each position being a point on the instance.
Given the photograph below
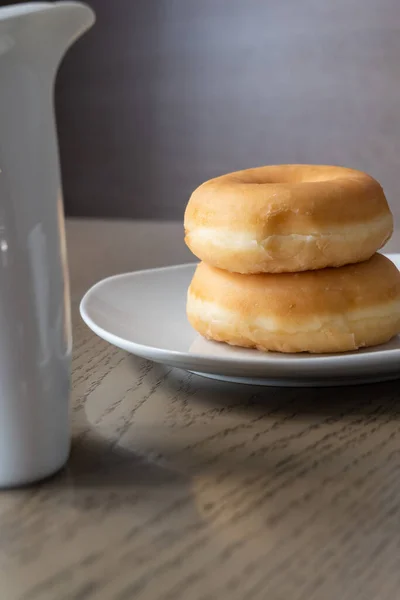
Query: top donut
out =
(287, 218)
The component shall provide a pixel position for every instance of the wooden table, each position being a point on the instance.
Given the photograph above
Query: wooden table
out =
(179, 488)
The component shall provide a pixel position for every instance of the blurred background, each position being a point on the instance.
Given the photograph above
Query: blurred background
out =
(163, 94)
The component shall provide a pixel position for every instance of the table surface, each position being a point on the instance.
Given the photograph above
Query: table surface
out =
(180, 488)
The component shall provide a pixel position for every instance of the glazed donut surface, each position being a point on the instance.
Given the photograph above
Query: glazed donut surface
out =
(330, 310)
(287, 218)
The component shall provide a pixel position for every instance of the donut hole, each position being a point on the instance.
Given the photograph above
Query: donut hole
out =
(291, 174)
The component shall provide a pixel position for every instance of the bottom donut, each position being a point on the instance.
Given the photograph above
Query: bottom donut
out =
(331, 310)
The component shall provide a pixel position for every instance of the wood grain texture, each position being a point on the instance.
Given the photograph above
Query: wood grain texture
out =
(180, 488)
(162, 95)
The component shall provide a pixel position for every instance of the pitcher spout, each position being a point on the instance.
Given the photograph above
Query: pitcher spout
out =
(44, 29)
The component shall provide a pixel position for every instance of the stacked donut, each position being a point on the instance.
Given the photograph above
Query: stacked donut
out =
(289, 260)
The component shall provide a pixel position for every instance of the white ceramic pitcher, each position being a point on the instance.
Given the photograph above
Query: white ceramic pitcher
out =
(35, 335)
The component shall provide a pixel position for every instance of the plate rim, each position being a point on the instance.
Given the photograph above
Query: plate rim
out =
(391, 357)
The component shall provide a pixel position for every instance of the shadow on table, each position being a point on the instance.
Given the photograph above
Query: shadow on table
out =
(222, 428)
(335, 401)
(256, 459)
(215, 427)
(94, 461)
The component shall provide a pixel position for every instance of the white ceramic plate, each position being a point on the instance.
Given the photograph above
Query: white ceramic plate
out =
(144, 313)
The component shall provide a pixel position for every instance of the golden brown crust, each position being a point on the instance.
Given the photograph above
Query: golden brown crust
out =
(287, 218)
(330, 310)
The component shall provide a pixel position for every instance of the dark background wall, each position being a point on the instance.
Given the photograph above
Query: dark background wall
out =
(163, 94)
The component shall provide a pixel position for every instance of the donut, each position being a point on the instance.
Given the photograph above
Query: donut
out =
(329, 310)
(287, 218)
